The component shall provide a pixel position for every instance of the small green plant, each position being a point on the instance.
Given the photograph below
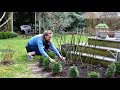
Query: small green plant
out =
(57, 67)
(74, 73)
(46, 63)
(52, 54)
(93, 74)
(117, 68)
(42, 58)
(111, 70)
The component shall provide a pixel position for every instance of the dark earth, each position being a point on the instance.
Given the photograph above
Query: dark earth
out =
(6, 62)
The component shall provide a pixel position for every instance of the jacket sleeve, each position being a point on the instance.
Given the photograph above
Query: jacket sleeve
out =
(41, 49)
(54, 48)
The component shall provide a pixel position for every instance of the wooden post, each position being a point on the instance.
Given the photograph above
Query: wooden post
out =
(39, 26)
(35, 22)
(12, 21)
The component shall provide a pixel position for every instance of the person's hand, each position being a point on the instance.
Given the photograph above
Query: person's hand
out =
(52, 60)
(62, 58)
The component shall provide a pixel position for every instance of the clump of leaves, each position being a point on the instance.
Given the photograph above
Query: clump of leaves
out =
(117, 68)
(42, 58)
(52, 54)
(57, 67)
(6, 35)
(74, 73)
(111, 70)
(93, 74)
(46, 63)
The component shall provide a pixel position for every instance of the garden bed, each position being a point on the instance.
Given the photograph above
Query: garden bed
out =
(83, 69)
(76, 69)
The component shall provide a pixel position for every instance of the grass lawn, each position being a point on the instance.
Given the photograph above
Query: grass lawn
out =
(21, 67)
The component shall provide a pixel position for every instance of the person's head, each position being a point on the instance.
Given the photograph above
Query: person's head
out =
(47, 35)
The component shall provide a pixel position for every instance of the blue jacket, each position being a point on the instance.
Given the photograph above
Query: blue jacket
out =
(38, 40)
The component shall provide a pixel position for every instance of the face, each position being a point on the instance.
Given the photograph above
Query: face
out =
(48, 37)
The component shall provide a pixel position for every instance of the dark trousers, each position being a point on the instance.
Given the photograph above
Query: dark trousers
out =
(31, 48)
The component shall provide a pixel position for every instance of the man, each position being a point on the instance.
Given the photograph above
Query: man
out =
(40, 44)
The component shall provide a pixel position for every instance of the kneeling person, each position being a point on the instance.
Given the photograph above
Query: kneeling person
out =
(40, 44)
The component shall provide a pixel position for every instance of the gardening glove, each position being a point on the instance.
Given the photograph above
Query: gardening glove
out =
(52, 60)
(62, 58)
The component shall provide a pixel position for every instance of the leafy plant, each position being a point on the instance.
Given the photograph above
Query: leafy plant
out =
(13, 34)
(111, 70)
(46, 63)
(6, 35)
(42, 58)
(57, 67)
(52, 54)
(93, 74)
(74, 73)
(117, 68)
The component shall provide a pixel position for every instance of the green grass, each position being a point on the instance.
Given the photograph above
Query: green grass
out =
(21, 67)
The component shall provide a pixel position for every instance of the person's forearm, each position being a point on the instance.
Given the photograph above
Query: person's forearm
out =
(43, 53)
(41, 50)
(54, 49)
